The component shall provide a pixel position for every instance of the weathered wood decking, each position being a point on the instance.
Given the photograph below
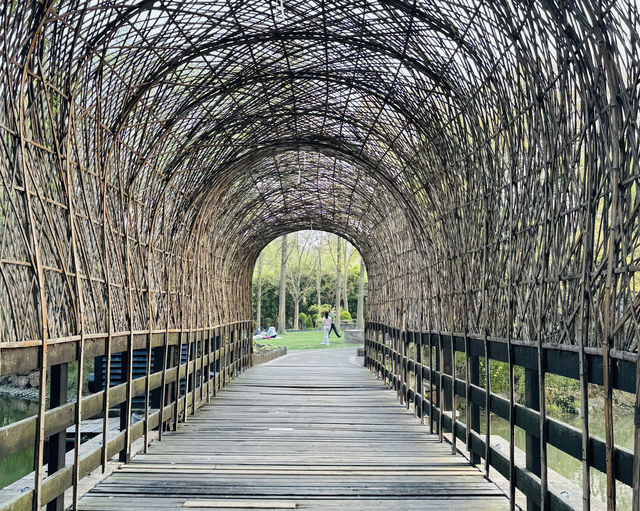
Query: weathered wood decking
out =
(312, 429)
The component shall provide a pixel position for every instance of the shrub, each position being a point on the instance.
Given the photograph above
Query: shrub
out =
(308, 322)
(344, 315)
(564, 401)
(562, 394)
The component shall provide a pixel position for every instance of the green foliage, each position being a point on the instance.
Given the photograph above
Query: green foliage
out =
(313, 309)
(309, 322)
(562, 394)
(302, 273)
(500, 378)
(344, 315)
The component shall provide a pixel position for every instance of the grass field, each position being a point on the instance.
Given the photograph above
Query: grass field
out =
(308, 340)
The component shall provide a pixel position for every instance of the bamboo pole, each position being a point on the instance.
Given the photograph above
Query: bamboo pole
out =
(610, 294)
(126, 409)
(80, 318)
(509, 335)
(487, 356)
(542, 405)
(36, 264)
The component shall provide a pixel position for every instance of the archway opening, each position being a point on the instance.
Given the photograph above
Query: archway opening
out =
(300, 276)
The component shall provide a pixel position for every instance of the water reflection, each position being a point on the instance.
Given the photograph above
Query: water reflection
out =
(18, 464)
(568, 466)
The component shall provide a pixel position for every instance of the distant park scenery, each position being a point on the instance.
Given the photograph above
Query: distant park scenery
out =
(299, 276)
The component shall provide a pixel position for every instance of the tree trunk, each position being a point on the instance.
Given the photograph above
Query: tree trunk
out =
(360, 316)
(259, 294)
(338, 283)
(319, 278)
(345, 277)
(296, 315)
(283, 288)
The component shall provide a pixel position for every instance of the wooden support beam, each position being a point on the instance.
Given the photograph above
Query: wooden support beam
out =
(57, 442)
(532, 443)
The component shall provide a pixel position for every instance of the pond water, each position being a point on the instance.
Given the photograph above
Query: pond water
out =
(571, 468)
(18, 464)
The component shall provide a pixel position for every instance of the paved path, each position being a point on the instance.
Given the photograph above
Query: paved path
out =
(312, 430)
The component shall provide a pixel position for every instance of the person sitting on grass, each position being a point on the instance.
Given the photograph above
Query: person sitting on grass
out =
(333, 325)
(326, 327)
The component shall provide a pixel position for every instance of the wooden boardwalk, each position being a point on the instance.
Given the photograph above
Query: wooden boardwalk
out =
(311, 430)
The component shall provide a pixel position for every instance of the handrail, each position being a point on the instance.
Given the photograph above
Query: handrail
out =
(214, 359)
(387, 354)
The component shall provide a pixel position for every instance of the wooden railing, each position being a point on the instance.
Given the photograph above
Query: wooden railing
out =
(397, 357)
(215, 356)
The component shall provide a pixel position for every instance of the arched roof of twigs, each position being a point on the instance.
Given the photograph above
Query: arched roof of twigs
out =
(482, 155)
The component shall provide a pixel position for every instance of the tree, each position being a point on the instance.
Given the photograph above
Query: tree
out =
(313, 278)
(298, 275)
(338, 283)
(259, 292)
(282, 309)
(319, 274)
(360, 314)
(347, 260)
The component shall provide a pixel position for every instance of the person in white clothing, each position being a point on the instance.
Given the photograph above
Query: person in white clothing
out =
(326, 326)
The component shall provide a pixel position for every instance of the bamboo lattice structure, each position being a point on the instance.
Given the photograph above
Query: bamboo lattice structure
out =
(483, 156)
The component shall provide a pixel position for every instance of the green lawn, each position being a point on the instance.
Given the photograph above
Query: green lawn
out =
(308, 340)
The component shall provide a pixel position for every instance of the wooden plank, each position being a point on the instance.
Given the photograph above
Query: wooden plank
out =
(240, 504)
(301, 431)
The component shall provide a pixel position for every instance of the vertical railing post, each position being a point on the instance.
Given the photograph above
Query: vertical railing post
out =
(157, 366)
(379, 333)
(533, 452)
(234, 360)
(203, 353)
(441, 398)
(453, 394)
(194, 374)
(423, 337)
(398, 372)
(394, 361)
(190, 343)
(417, 372)
(473, 409)
(223, 357)
(431, 380)
(384, 355)
(365, 346)
(148, 369)
(207, 373)
(216, 361)
(176, 394)
(405, 377)
(166, 358)
(57, 442)
(125, 406)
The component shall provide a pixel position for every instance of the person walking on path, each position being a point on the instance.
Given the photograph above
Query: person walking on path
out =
(333, 325)
(326, 326)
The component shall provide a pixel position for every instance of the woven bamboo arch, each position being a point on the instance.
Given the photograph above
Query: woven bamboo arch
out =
(483, 156)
